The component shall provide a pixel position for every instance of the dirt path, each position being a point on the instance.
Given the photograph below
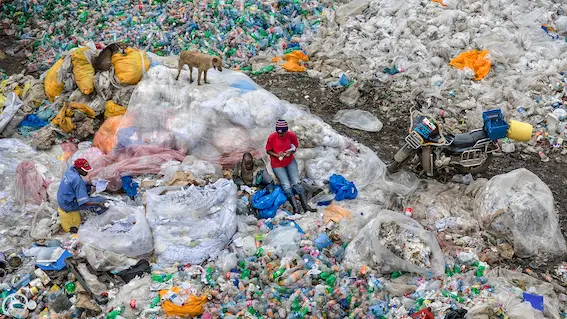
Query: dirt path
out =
(324, 102)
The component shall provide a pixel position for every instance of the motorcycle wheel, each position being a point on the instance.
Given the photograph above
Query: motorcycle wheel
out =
(404, 154)
(477, 169)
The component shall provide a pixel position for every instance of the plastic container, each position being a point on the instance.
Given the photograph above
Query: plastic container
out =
(69, 219)
(494, 124)
(323, 241)
(520, 131)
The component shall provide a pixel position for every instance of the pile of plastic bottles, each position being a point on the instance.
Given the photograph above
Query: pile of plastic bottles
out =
(237, 29)
(313, 283)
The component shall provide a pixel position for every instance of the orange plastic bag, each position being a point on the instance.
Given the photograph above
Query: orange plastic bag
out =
(292, 61)
(335, 213)
(83, 70)
(51, 83)
(105, 137)
(130, 68)
(440, 1)
(113, 109)
(476, 60)
(64, 119)
(193, 306)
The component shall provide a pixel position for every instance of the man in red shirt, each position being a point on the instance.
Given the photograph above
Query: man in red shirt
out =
(280, 146)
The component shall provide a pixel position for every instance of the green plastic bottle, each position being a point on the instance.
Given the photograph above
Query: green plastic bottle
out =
(278, 273)
(114, 314)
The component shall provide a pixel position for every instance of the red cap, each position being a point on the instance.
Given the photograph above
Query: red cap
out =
(82, 163)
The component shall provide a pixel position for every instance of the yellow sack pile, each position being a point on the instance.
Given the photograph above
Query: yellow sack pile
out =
(130, 68)
(83, 71)
(64, 118)
(113, 109)
(51, 83)
(478, 61)
(292, 61)
(192, 307)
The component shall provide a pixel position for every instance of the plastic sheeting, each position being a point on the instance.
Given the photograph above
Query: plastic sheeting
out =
(219, 122)
(368, 246)
(519, 207)
(191, 224)
(358, 119)
(121, 229)
(131, 161)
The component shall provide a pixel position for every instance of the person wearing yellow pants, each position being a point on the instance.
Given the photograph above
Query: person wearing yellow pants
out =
(73, 195)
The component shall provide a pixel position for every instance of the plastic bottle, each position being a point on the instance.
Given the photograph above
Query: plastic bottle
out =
(115, 314)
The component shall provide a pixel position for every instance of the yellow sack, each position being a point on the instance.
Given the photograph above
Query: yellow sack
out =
(293, 58)
(113, 109)
(335, 213)
(64, 119)
(193, 306)
(83, 70)
(476, 60)
(130, 69)
(51, 83)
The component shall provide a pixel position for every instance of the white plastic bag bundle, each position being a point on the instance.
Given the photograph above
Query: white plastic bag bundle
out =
(121, 229)
(11, 106)
(519, 207)
(191, 224)
(358, 119)
(367, 248)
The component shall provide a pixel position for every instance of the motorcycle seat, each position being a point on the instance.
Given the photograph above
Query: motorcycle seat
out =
(468, 139)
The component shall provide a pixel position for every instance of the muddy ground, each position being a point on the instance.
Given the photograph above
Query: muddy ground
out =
(377, 99)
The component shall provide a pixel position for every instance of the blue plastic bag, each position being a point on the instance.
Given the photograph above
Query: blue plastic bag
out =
(129, 186)
(268, 203)
(342, 188)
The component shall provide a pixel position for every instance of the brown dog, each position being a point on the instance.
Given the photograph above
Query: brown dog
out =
(200, 61)
(103, 61)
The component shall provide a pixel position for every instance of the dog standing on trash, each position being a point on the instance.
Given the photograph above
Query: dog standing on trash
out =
(200, 61)
(103, 61)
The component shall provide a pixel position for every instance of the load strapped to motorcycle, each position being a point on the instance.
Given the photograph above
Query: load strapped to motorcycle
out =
(468, 153)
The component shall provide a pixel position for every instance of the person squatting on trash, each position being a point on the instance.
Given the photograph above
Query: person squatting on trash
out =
(73, 193)
(281, 146)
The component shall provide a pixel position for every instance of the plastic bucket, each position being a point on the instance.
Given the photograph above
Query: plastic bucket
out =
(520, 131)
(69, 219)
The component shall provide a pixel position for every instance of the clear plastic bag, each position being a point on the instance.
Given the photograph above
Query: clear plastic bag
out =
(518, 207)
(368, 246)
(105, 260)
(137, 289)
(121, 229)
(191, 224)
(358, 119)
(283, 240)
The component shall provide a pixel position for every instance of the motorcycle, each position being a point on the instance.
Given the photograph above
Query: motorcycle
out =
(468, 153)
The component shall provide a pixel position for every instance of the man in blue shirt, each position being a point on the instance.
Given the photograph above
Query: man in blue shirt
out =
(73, 192)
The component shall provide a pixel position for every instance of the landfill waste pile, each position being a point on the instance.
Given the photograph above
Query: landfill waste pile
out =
(458, 58)
(238, 30)
(184, 237)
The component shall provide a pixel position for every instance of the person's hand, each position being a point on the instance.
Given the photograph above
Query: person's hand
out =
(101, 204)
(281, 154)
(287, 154)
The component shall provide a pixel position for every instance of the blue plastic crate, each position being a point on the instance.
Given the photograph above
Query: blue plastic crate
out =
(494, 124)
